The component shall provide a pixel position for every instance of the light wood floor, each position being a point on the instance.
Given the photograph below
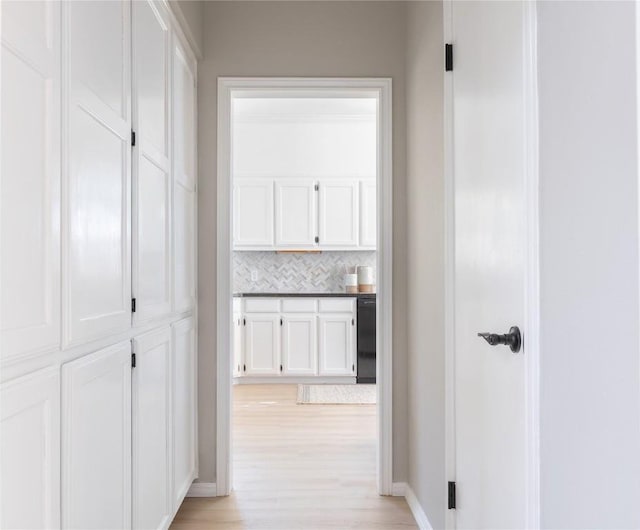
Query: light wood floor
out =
(299, 467)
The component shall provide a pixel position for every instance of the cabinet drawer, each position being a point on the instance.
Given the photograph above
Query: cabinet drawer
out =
(299, 305)
(262, 305)
(337, 305)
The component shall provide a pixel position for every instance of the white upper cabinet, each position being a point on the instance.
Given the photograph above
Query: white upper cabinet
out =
(262, 344)
(98, 188)
(184, 202)
(253, 213)
(30, 455)
(338, 213)
(337, 344)
(96, 453)
(299, 345)
(185, 420)
(368, 206)
(184, 116)
(295, 213)
(151, 165)
(152, 506)
(30, 184)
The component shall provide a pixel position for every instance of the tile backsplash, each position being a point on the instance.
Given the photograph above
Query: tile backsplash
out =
(322, 272)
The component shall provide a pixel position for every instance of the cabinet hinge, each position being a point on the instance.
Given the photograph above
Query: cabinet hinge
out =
(451, 504)
(353, 367)
(281, 322)
(317, 239)
(281, 368)
(244, 321)
(133, 360)
(316, 187)
(133, 138)
(353, 321)
(133, 305)
(448, 57)
(244, 367)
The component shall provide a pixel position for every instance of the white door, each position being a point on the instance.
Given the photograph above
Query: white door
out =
(253, 213)
(98, 190)
(338, 213)
(184, 408)
(368, 209)
(299, 344)
(262, 344)
(30, 184)
(489, 167)
(151, 165)
(152, 428)
(337, 344)
(30, 451)
(296, 213)
(237, 344)
(96, 452)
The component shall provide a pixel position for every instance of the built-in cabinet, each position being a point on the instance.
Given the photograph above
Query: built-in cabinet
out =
(304, 214)
(297, 337)
(98, 354)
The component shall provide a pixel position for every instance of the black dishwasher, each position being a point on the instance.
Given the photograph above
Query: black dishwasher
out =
(366, 340)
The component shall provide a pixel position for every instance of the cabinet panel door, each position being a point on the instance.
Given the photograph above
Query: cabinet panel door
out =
(30, 184)
(185, 418)
(262, 344)
(338, 215)
(151, 168)
(337, 344)
(184, 266)
(299, 345)
(184, 116)
(152, 504)
(296, 217)
(96, 448)
(368, 209)
(253, 213)
(30, 451)
(98, 191)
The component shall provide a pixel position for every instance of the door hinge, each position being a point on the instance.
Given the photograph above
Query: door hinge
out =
(244, 367)
(316, 187)
(317, 239)
(133, 360)
(133, 305)
(133, 138)
(451, 504)
(448, 57)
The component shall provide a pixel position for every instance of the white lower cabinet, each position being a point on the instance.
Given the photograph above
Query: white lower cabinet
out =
(336, 344)
(152, 506)
(96, 440)
(30, 455)
(299, 345)
(185, 426)
(262, 344)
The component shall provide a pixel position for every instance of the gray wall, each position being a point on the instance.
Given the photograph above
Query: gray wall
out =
(298, 39)
(425, 257)
(590, 415)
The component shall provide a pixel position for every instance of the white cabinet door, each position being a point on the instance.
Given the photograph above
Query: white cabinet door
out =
(296, 215)
(96, 448)
(185, 248)
(184, 116)
(237, 344)
(337, 344)
(30, 451)
(262, 344)
(299, 344)
(152, 506)
(368, 209)
(98, 191)
(253, 213)
(338, 213)
(151, 166)
(30, 184)
(185, 440)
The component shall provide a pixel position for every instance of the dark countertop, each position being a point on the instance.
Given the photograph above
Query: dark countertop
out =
(304, 295)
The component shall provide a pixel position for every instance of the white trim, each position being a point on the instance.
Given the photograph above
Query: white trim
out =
(294, 380)
(416, 509)
(398, 489)
(375, 87)
(182, 26)
(202, 489)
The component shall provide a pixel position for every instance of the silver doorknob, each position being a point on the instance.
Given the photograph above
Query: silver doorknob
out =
(513, 339)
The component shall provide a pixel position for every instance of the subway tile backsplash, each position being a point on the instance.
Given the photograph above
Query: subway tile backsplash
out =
(322, 272)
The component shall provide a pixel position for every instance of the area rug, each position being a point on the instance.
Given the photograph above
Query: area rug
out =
(336, 394)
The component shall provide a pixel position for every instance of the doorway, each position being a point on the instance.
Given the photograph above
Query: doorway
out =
(378, 90)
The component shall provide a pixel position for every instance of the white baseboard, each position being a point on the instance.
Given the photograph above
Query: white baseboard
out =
(202, 489)
(418, 512)
(398, 489)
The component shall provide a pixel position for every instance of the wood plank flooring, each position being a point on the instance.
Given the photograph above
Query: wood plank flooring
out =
(299, 467)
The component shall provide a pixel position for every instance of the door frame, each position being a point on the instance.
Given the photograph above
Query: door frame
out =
(531, 336)
(381, 88)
